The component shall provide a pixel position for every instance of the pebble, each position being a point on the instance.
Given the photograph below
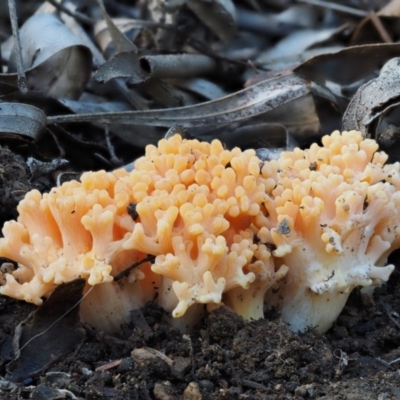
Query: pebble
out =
(192, 392)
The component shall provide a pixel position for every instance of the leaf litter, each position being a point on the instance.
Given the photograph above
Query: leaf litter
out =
(105, 79)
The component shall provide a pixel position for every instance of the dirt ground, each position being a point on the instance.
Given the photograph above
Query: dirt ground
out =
(224, 358)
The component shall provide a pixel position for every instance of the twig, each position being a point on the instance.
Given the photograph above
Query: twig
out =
(343, 361)
(57, 142)
(74, 175)
(113, 156)
(75, 14)
(17, 43)
(205, 49)
(336, 7)
(126, 271)
(253, 385)
(389, 312)
(394, 361)
(53, 359)
(380, 28)
(188, 339)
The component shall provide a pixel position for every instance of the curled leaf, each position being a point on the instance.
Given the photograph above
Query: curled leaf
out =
(21, 119)
(373, 98)
(56, 62)
(375, 109)
(129, 65)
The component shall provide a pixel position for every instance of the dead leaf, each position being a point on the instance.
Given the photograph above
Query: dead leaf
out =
(391, 9)
(277, 24)
(21, 119)
(263, 135)
(122, 65)
(298, 42)
(373, 98)
(126, 26)
(201, 87)
(247, 103)
(375, 110)
(137, 70)
(348, 66)
(56, 62)
(49, 333)
(121, 42)
(130, 133)
(217, 15)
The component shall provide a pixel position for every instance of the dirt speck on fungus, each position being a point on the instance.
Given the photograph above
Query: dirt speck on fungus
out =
(225, 357)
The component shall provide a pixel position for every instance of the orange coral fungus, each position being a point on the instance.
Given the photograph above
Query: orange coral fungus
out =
(336, 215)
(196, 203)
(224, 227)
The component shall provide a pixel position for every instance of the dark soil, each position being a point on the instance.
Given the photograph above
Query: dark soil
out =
(13, 183)
(224, 358)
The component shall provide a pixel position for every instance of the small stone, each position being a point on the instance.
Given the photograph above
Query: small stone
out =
(164, 391)
(291, 386)
(43, 392)
(60, 379)
(206, 385)
(152, 361)
(146, 354)
(300, 391)
(86, 371)
(181, 366)
(192, 392)
(126, 365)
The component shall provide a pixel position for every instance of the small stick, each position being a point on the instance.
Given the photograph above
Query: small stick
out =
(126, 272)
(114, 159)
(336, 7)
(389, 312)
(382, 31)
(52, 361)
(17, 43)
(75, 14)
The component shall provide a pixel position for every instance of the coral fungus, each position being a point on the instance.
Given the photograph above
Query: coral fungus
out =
(336, 211)
(195, 205)
(223, 227)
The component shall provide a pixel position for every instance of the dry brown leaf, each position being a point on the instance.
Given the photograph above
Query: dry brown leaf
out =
(57, 64)
(121, 42)
(348, 66)
(137, 70)
(254, 100)
(50, 332)
(218, 15)
(124, 25)
(17, 119)
(391, 9)
(298, 42)
(373, 98)
(202, 87)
